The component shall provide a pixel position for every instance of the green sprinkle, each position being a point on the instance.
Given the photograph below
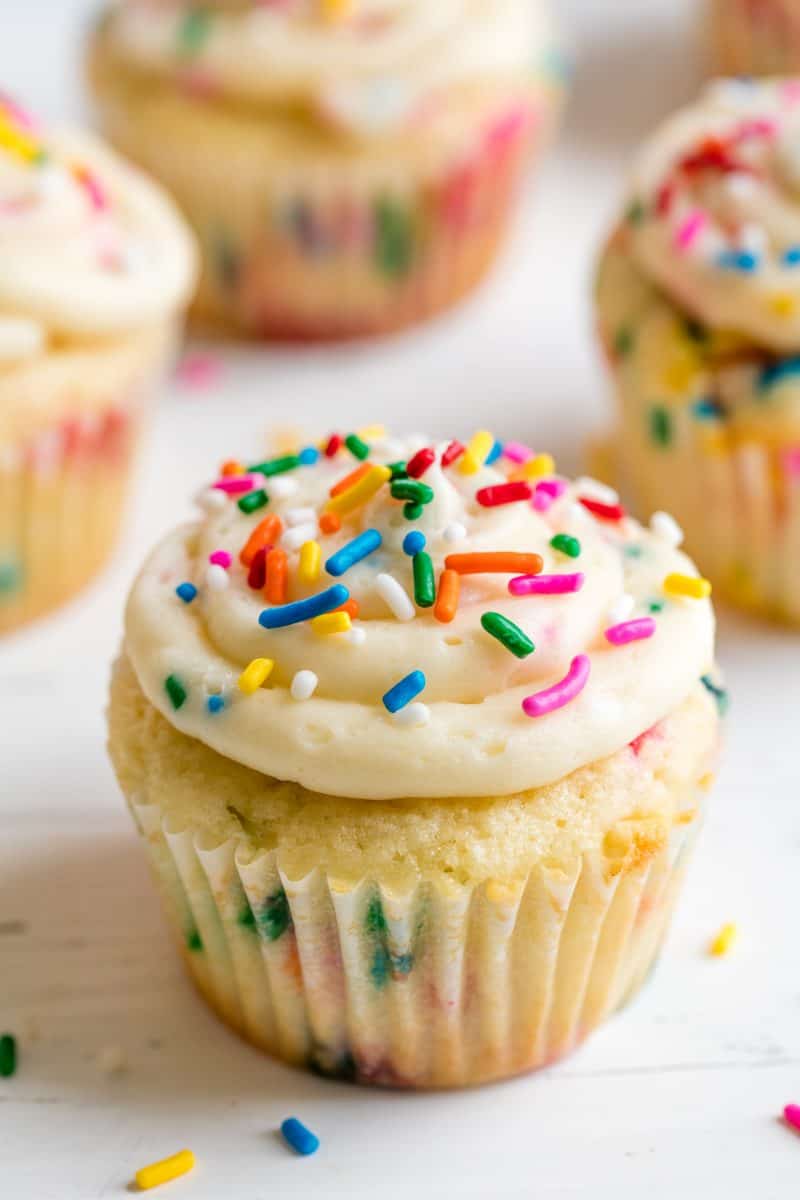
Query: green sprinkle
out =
(253, 501)
(623, 342)
(413, 512)
(374, 920)
(412, 489)
(275, 466)
(193, 940)
(10, 577)
(398, 470)
(194, 29)
(381, 967)
(246, 918)
(655, 606)
(175, 690)
(8, 1055)
(720, 694)
(566, 544)
(633, 551)
(275, 916)
(660, 426)
(357, 446)
(508, 634)
(394, 239)
(424, 582)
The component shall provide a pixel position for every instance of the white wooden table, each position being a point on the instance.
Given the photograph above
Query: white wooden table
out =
(678, 1096)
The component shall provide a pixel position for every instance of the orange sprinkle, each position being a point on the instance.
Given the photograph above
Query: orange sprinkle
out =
(349, 606)
(447, 599)
(494, 562)
(330, 522)
(277, 572)
(265, 533)
(232, 467)
(350, 480)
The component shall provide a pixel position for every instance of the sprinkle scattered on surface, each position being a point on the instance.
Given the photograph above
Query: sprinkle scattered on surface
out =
(164, 1170)
(723, 941)
(301, 1139)
(8, 1055)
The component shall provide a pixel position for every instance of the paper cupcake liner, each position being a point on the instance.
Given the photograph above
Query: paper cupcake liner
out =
(344, 243)
(756, 39)
(432, 987)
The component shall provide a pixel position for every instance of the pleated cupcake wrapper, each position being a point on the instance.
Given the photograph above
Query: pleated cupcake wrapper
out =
(338, 249)
(61, 500)
(436, 985)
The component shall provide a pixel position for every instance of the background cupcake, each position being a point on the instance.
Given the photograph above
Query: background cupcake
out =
(417, 753)
(348, 165)
(699, 312)
(756, 37)
(94, 267)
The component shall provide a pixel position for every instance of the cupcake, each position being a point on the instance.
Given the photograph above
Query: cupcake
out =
(94, 267)
(417, 743)
(756, 37)
(349, 166)
(698, 303)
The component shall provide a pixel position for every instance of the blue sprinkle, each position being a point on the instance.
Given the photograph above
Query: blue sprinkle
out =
(791, 257)
(404, 692)
(738, 260)
(299, 1138)
(366, 543)
(708, 409)
(186, 591)
(215, 704)
(777, 372)
(304, 610)
(413, 543)
(494, 454)
(308, 456)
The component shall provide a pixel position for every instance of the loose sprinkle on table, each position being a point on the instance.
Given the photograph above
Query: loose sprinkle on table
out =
(687, 585)
(630, 631)
(359, 548)
(724, 940)
(564, 543)
(301, 1139)
(304, 610)
(186, 592)
(176, 691)
(395, 597)
(546, 585)
(8, 1055)
(404, 692)
(555, 697)
(165, 1170)
(791, 1115)
(255, 674)
(508, 634)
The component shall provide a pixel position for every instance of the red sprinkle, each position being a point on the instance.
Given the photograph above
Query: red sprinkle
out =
(503, 493)
(605, 512)
(453, 451)
(419, 464)
(257, 574)
(335, 443)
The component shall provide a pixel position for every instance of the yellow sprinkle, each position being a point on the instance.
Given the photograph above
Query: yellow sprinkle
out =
(724, 940)
(361, 492)
(476, 453)
(372, 433)
(310, 562)
(336, 10)
(687, 585)
(254, 674)
(16, 142)
(333, 622)
(162, 1172)
(536, 467)
(783, 304)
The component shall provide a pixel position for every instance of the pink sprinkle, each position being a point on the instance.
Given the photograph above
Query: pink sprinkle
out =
(791, 1115)
(545, 585)
(542, 502)
(517, 452)
(631, 631)
(690, 229)
(791, 462)
(220, 558)
(552, 487)
(199, 371)
(573, 683)
(235, 485)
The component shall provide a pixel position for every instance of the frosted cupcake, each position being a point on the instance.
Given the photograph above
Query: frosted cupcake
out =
(699, 311)
(349, 165)
(94, 268)
(756, 37)
(417, 753)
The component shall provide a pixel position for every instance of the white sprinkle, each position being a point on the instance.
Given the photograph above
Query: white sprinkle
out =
(304, 685)
(216, 578)
(211, 500)
(280, 487)
(413, 714)
(593, 489)
(299, 516)
(217, 681)
(294, 538)
(395, 596)
(355, 636)
(621, 609)
(754, 239)
(667, 528)
(455, 532)
(112, 1060)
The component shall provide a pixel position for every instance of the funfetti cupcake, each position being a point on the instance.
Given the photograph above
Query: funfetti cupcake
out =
(349, 165)
(698, 306)
(755, 37)
(418, 738)
(95, 265)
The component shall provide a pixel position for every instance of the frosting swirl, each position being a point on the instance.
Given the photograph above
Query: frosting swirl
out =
(715, 210)
(88, 247)
(364, 65)
(469, 734)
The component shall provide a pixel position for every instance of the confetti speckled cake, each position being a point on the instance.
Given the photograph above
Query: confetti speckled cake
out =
(95, 265)
(349, 166)
(418, 738)
(698, 303)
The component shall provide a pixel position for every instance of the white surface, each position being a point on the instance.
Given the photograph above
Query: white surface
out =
(679, 1095)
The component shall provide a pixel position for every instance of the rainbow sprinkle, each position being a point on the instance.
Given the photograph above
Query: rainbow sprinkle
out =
(360, 548)
(404, 692)
(304, 610)
(301, 1139)
(508, 634)
(555, 697)
(164, 1170)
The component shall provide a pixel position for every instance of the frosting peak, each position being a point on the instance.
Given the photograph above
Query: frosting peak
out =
(501, 626)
